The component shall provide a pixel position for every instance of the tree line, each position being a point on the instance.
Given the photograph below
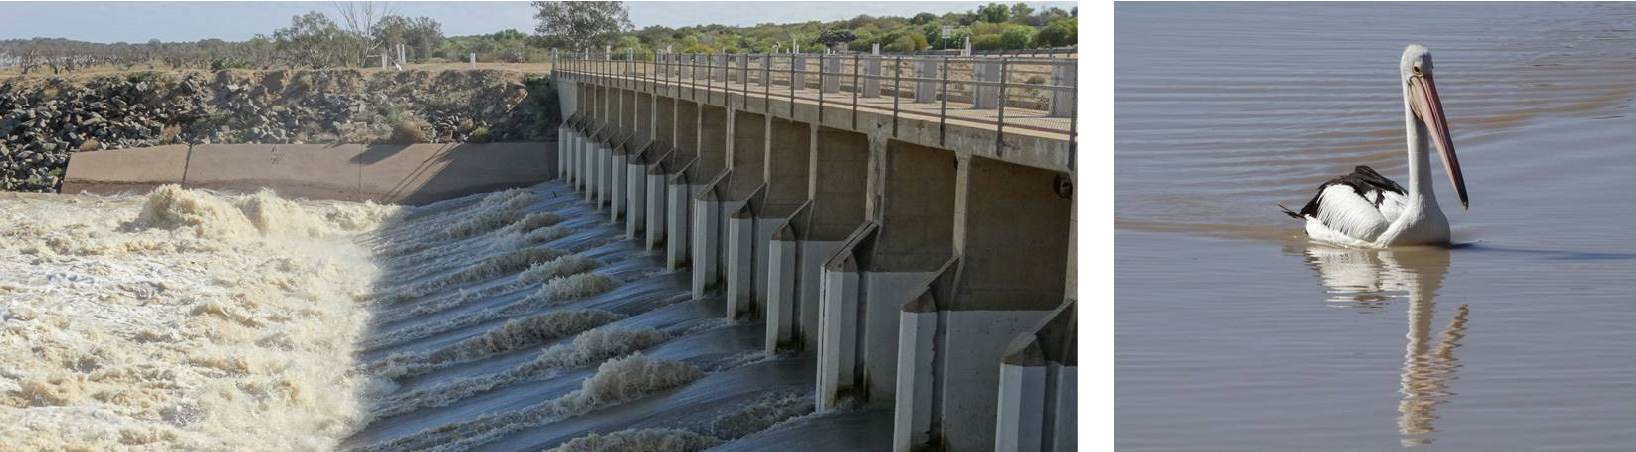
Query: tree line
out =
(357, 34)
(600, 25)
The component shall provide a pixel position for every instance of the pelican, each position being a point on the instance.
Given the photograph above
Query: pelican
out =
(1365, 209)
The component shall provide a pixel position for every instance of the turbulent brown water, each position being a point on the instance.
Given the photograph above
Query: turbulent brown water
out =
(1234, 333)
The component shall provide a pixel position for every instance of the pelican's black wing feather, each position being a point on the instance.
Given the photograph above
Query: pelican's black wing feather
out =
(1362, 180)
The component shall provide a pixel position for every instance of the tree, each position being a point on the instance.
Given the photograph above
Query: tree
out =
(832, 38)
(934, 34)
(360, 18)
(312, 40)
(391, 31)
(1021, 10)
(1060, 33)
(923, 18)
(424, 34)
(1017, 37)
(994, 13)
(580, 26)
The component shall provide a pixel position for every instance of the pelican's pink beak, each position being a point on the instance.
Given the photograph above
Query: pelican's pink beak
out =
(1424, 101)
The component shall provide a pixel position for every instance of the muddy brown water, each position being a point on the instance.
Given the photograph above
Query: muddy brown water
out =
(1234, 333)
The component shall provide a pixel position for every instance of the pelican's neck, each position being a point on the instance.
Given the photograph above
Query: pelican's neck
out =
(1420, 186)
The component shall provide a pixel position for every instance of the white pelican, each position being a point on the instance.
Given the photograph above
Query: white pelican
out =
(1365, 209)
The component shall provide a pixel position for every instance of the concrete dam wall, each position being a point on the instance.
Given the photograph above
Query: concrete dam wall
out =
(385, 173)
(922, 256)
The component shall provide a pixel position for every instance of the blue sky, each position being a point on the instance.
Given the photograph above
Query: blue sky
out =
(189, 21)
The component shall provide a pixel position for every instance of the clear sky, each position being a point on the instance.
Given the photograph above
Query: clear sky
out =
(236, 21)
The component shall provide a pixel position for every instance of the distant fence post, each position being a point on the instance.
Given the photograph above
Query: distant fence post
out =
(871, 68)
(987, 96)
(829, 75)
(1062, 100)
(925, 88)
(474, 60)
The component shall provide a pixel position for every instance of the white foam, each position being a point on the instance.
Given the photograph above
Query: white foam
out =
(182, 319)
(572, 287)
(616, 381)
(563, 266)
(590, 346)
(515, 334)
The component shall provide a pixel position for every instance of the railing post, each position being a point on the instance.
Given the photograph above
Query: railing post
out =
(855, 89)
(793, 59)
(823, 84)
(897, 92)
(943, 112)
(999, 123)
(767, 84)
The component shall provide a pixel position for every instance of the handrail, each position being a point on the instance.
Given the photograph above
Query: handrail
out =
(959, 84)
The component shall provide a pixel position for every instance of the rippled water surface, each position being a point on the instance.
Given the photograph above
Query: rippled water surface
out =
(1234, 333)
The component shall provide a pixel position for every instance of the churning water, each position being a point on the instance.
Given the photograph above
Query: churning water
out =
(515, 320)
(1234, 333)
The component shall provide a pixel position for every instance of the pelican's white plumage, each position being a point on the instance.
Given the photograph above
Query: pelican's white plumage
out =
(1366, 209)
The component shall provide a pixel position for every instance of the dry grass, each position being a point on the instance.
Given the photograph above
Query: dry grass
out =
(481, 135)
(170, 134)
(408, 131)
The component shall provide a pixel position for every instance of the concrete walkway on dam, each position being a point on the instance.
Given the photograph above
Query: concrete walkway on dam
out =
(385, 173)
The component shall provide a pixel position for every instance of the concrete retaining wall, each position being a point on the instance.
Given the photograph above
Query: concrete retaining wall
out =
(404, 174)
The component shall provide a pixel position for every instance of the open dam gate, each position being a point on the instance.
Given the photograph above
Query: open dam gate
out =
(906, 223)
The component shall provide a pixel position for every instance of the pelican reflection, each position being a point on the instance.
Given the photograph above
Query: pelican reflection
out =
(1370, 280)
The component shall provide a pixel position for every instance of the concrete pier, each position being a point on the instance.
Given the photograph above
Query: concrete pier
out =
(922, 256)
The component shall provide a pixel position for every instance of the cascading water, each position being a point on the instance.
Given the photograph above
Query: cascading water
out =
(514, 320)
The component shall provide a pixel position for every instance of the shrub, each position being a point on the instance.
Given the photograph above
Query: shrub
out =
(1017, 37)
(170, 133)
(407, 131)
(481, 135)
(986, 42)
(901, 44)
(221, 64)
(1060, 33)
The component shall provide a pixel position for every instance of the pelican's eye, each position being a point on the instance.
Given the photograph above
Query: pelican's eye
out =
(1417, 71)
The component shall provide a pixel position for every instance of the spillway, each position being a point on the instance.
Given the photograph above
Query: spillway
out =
(513, 320)
(524, 320)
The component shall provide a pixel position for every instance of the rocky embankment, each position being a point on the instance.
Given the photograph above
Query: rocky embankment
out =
(43, 120)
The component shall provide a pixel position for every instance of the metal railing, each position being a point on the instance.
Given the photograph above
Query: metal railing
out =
(1022, 93)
